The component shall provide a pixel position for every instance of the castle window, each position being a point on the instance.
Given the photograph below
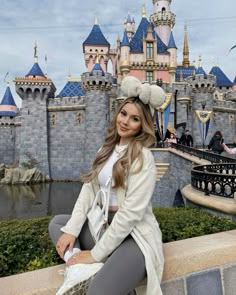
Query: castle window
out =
(149, 50)
(149, 76)
(78, 117)
(53, 118)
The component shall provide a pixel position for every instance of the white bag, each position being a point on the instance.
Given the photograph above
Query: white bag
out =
(98, 215)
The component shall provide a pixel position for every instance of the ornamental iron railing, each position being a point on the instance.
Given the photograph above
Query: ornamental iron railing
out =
(218, 179)
(205, 155)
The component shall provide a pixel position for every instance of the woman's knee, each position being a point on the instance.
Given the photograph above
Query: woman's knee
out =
(53, 223)
(59, 220)
(54, 226)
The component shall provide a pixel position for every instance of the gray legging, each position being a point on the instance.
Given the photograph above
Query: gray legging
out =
(123, 270)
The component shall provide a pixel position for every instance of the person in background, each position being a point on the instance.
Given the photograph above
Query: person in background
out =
(215, 144)
(131, 247)
(186, 138)
(171, 139)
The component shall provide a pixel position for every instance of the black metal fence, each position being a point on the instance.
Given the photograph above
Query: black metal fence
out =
(218, 179)
(209, 156)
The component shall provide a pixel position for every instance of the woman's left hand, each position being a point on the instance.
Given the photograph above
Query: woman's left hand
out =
(81, 257)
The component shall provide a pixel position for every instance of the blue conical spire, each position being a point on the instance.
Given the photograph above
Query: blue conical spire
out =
(171, 43)
(8, 98)
(36, 71)
(97, 67)
(129, 19)
(125, 40)
(8, 105)
(96, 37)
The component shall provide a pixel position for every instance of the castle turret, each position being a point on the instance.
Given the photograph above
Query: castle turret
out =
(96, 45)
(125, 55)
(129, 26)
(162, 19)
(35, 89)
(172, 49)
(8, 106)
(96, 84)
(8, 112)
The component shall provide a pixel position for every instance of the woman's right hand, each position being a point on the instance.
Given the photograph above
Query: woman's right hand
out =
(65, 241)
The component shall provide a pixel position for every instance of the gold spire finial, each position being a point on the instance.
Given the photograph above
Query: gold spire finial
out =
(69, 73)
(46, 63)
(35, 52)
(96, 20)
(200, 61)
(143, 10)
(185, 62)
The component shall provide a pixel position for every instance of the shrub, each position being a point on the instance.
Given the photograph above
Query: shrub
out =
(25, 245)
(182, 223)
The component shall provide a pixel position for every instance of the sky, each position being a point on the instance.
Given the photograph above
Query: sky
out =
(60, 27)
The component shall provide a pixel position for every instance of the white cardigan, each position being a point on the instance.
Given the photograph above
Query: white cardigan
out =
(134, 217)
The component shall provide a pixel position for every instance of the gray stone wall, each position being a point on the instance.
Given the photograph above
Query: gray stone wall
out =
(216, 281)
(34, 131)
(97, 122)
(7, 144)
(177, 176)
(17, 143)
(66, 144)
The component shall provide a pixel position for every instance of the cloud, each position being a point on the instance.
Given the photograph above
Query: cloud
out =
(60, 27)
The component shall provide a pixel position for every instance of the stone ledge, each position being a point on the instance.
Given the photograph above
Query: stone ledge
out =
(221, 204)
(200, 253)
(181, 258)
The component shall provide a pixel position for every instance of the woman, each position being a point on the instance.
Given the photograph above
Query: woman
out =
(131, 247)
(215, 144)
(171, 139)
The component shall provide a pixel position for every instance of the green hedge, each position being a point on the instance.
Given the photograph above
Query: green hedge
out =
(25, 244)
(182, 223)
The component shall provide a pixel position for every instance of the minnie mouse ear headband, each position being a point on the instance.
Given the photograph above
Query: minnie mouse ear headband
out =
(152, 95)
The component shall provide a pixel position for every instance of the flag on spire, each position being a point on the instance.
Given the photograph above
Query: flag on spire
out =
(35, 49)
(232, 48)
(6, 77)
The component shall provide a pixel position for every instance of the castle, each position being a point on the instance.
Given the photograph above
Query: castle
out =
(63, 132)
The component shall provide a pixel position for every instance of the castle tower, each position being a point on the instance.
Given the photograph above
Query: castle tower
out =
(172, 49)
(8, 106)
(8, 112)
(96, 45)
(129, 26)
(96, 84)
(35, 89)
(185, 62)
(162, 19)
(124, 55)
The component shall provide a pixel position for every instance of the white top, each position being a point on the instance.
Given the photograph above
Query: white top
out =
(106, 173)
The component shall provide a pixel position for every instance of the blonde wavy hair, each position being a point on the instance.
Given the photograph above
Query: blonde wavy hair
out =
(145, 138)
